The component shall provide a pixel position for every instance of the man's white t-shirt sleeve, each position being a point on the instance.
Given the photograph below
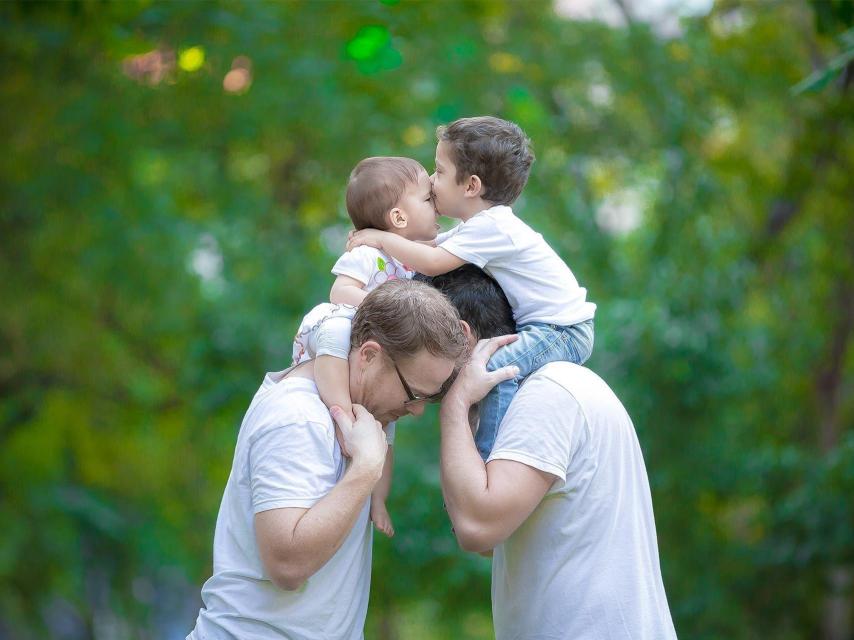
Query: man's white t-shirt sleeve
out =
(359, 264)
(541, 428)
(478, 241)
(291, 466)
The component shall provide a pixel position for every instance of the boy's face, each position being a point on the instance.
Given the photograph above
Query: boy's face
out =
(448, 195)
(417, 204)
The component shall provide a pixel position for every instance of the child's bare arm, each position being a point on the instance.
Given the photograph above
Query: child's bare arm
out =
(425, 259)
(347, 290)
(332, 377)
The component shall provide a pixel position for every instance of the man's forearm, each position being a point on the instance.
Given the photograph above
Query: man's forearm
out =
(464, 478)
(321, 530)
(487, 503)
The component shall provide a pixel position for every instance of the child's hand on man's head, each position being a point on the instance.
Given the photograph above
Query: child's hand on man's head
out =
(370, 237)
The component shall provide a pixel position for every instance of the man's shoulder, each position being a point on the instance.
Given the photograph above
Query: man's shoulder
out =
(295, 395)
(578, 380)
(566, 372)
(285, 401)
(589, 390)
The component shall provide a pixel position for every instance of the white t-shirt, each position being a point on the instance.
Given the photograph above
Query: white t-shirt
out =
(286, 456)
(538, 284)
(371, 267)
(585, 562)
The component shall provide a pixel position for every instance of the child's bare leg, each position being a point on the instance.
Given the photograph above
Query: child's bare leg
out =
(379, 513)
(332, 377)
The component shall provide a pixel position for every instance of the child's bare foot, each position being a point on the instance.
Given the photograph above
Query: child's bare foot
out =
(380, 517)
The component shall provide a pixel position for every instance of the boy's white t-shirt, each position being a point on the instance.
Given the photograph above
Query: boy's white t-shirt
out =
(371, 267)
(538, 284)
(286, 456)
(585, 563)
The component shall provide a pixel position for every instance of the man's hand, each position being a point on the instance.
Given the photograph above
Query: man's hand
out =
(364, 439)
(339, 435)
(370, 237)
(474, 381)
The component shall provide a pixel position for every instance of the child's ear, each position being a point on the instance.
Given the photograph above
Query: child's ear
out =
(474, 187)
(397, 219)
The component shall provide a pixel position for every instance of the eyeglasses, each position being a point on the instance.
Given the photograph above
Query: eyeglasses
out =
(413, 398)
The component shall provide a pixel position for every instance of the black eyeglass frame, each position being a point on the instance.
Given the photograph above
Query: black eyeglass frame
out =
(413, 398)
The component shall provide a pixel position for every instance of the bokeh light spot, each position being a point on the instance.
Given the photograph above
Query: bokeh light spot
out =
(369, 41)
(505, 63)
(414, 136)
(237, 81)
(191, 59)
(151, 67)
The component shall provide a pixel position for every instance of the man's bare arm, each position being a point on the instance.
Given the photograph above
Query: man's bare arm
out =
(486, 502)
(295, 543)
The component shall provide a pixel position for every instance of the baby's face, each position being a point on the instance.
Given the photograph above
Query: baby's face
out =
(417, 203)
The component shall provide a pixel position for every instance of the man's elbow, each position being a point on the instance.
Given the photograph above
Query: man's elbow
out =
(288, 577)
(475, 538)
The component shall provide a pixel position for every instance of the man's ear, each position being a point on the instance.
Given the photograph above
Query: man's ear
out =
(369, 351)
(397, 219)
(474, 187)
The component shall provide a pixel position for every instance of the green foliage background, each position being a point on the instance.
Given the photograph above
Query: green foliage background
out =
(160, 237)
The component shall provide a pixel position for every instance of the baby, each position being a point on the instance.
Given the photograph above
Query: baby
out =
(482, 165)
(384, 193)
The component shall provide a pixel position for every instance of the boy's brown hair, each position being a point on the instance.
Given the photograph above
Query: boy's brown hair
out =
(496, 151)
(376, 186)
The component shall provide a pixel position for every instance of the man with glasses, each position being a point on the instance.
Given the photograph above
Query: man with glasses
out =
(292, 548)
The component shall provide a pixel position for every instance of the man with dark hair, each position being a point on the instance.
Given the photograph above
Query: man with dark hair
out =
(467, 288)
(563, 499)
